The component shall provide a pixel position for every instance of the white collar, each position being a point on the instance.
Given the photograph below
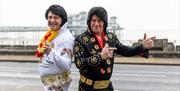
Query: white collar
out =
(64, 27)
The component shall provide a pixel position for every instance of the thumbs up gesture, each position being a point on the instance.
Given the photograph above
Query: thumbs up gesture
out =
(148, 42)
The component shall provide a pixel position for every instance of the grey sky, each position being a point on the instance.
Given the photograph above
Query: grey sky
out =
(160, 18)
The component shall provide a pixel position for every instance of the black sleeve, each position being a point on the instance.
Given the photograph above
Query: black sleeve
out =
(130, 51)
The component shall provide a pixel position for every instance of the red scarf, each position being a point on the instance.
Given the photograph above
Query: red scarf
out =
(100, 41)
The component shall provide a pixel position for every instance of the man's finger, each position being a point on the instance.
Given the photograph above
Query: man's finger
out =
(106, 45)
(144, 36)
(153, 37)
(112, 48)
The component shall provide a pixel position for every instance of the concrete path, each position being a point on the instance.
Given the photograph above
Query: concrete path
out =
(122, 60)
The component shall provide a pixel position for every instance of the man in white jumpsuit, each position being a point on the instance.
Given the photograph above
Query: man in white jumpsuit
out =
(55, 64)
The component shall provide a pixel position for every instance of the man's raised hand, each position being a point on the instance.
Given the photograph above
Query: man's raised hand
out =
(148, 42)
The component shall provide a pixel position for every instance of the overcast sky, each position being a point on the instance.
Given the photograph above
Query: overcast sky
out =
(160, 18)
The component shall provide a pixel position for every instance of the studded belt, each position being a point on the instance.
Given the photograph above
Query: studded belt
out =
(96, 84)
(55, 79)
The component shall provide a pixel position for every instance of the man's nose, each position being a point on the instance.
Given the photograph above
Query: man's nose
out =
(52, 19)
(96, 23)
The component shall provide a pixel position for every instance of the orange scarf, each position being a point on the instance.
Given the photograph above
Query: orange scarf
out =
(48, 37)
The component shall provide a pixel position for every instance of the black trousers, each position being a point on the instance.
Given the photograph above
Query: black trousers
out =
(85, 87)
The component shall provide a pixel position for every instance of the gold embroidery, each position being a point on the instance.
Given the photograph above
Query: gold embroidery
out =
(92, 39)
(96, 47)
(51, 79)
(85, 39)
(76, 49)
(93, 51)
(110, 36)
(93, 60)
(101, 84)
(89, 81)
(78, 63)
(82, 78)
(65, 75)
(97, 84)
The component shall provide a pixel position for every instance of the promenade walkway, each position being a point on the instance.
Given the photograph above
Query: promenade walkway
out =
(121, 60)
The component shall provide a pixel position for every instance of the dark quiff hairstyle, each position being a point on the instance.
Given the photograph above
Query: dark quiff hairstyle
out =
(101, 13)
(58, 10)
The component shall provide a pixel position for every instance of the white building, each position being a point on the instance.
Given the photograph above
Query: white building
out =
(32, 35)
(77, 24)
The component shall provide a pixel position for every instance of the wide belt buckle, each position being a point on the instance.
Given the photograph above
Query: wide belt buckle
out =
(48, 80)
(56, 79)
(89, 82)
(101, 84)
(83, 79)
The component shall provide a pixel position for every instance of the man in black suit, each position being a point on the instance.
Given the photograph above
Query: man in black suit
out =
(94, 52)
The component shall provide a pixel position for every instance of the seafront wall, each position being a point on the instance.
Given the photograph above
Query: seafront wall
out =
(30, 50)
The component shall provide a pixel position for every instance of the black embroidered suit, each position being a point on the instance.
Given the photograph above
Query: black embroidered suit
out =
(89, 62)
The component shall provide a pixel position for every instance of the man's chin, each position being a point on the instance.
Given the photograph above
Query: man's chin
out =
(95, 30)
(53, 28)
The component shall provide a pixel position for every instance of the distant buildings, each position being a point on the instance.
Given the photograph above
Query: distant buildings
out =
(32, 35)
(77, 24)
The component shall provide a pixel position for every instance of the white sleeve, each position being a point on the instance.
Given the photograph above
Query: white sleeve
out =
(62, 60)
